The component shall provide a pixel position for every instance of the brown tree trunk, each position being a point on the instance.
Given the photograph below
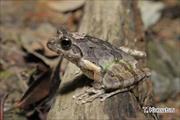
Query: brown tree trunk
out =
(118, 22)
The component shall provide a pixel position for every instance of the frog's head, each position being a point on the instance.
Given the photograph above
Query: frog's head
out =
(64, 43)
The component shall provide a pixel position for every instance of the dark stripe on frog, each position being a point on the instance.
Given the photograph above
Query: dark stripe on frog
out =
(129, 68)
(136, 76)
(76, 50)
(119, 77)
(126, 82)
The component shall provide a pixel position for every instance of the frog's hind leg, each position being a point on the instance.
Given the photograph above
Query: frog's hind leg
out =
(107, 95)
(133, 52)
(120, 77)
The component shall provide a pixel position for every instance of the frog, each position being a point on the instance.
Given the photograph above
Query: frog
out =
(113, 70)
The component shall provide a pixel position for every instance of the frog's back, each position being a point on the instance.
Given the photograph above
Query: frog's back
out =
(101, 52)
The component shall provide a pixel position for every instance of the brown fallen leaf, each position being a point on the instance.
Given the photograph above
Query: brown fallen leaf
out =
(33, 41)
(42, 90)
(65, 5)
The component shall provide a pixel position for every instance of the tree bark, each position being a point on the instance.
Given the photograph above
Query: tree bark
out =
(119, 23)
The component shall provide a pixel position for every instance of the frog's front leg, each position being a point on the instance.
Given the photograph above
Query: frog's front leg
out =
(92, 71)
(92, 68)
(132, 52)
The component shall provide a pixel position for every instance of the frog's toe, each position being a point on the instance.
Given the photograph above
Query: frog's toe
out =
(107, 95)
(91, 98)
(89, 95)
(80, 96)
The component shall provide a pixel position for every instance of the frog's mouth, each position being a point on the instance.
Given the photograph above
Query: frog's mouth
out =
(54, 47)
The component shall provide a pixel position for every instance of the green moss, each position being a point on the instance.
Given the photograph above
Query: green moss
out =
(5, 74)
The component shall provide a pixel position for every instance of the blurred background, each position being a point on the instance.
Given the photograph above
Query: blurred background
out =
(26, 25)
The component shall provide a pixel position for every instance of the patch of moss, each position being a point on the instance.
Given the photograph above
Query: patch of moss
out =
(5, 74)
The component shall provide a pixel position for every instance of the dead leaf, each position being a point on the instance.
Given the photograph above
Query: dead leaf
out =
(42, 90)
(33, 41)
(66, 5)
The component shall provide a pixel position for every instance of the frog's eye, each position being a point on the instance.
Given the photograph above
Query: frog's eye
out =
(66, 43)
